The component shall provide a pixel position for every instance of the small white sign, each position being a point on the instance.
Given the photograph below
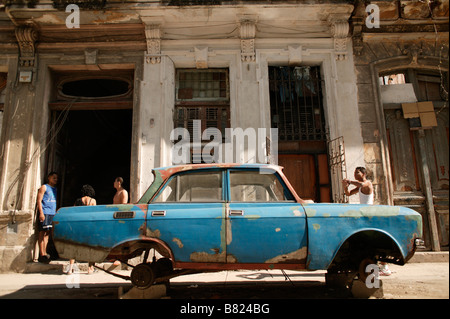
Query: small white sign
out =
(25, 76)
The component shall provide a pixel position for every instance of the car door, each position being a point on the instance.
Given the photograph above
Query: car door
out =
(264, 223)
(188, 215)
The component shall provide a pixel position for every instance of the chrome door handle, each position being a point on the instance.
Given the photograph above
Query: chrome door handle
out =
(158, 213)
(236, 212)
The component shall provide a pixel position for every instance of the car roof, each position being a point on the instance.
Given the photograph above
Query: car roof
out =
(187, 167)
(163, 173)
(167, 171)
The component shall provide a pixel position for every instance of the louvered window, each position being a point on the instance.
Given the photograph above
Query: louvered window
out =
(202, 95)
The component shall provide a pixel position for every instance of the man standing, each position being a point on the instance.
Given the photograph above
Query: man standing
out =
(364, 188)
(121, 196)
(46, 202)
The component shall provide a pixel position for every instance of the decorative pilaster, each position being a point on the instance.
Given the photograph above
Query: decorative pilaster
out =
(247, 30)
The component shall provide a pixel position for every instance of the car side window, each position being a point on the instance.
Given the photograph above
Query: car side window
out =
(192, 187)
(256, 186)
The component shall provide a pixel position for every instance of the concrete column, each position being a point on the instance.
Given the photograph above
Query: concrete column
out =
(16, 210)
(342, 113)
(155, 119)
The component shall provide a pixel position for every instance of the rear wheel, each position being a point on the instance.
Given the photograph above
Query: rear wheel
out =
(142, 276)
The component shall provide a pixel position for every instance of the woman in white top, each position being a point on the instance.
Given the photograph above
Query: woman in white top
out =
(363, 187)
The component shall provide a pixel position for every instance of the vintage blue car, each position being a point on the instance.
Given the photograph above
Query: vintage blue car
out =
(208, 217)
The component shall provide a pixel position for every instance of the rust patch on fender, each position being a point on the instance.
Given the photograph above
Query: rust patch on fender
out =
(147, 232)
(205, 257)
(298, 256)
(178, 242)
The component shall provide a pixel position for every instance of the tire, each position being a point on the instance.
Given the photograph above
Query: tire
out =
(142, 276)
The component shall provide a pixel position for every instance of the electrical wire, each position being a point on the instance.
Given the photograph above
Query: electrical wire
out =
(53, 132)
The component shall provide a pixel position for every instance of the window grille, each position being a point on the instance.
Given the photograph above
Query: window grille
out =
(211, 117)
(296, 103)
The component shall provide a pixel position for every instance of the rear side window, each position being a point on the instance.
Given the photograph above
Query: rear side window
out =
(192, 187)
(257, 186)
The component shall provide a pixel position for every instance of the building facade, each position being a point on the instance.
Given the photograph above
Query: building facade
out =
(95, 90)
(403, 61)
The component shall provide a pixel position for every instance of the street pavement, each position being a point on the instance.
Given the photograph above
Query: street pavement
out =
(225, 294)
(412, 281)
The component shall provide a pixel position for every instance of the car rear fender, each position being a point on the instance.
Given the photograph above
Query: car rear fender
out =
(134, 247)
(369, 242)
(360, 244)
(330, 226)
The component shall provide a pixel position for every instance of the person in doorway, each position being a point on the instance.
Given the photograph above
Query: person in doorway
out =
(364, 188)
(121, 196)
(87, 196)
(86, 199)
(46, 203)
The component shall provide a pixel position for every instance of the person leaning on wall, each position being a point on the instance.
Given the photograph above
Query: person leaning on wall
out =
(46, 205)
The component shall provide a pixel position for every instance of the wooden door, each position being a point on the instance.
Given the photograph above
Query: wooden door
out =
(324, 178)
(301, 172)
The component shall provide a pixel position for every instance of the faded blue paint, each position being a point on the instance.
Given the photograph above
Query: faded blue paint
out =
(265, 231)
(95, 226)
(339, 222)
(268, 232)
(190, 230)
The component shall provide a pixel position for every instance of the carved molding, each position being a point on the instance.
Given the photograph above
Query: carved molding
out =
(153, 37)
(90, 56)
(339, 30)
(357, 21)
(296, 54)
(247, 30)
(26, 37)
(201, 57)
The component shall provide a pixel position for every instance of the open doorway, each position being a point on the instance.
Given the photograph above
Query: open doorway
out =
(91, 129)
(296, 107)
(93, 147)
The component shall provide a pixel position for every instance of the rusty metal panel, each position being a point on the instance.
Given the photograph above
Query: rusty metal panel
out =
(330, 225)
(195, 232)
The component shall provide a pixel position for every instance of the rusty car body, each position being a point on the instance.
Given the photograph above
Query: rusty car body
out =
(210, 217)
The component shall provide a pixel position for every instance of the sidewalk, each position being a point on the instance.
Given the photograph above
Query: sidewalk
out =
(60, 266)
(430, 257)
(414, 280)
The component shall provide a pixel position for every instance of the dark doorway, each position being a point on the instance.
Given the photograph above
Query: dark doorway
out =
(93, 147)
